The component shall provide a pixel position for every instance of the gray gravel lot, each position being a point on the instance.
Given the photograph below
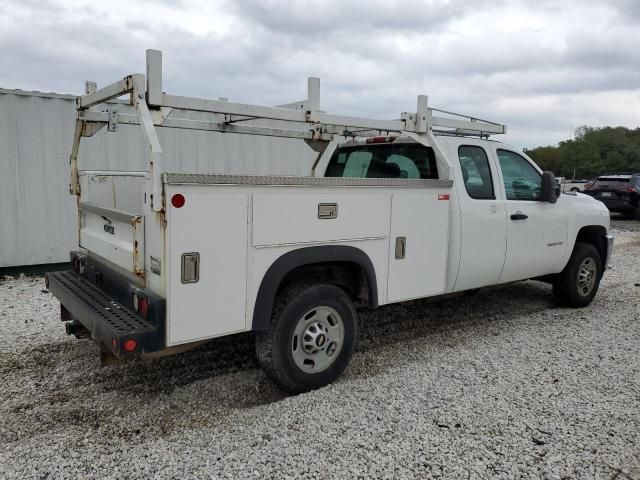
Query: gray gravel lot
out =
(501, 384)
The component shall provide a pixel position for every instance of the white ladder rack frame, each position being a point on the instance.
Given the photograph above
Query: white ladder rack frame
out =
(152, 108)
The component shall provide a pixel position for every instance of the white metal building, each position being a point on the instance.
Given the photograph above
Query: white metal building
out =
(37, 214)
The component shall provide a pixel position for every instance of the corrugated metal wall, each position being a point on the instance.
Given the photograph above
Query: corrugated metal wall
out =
(37, 214)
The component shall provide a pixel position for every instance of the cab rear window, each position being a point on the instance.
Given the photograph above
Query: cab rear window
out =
(400, 160)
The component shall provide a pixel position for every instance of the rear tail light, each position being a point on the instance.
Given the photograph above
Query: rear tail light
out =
(381, 139)
(130, 345)
(144, 307)
(630, 190)
(141, 305)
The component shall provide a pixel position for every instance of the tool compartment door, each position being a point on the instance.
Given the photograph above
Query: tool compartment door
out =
(418, 245)
(212, 223)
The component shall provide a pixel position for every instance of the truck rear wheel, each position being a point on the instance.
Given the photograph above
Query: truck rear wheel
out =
(578, 283)
(311, 337)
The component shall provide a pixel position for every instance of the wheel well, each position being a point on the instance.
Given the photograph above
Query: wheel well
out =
(349, 276)
(346, 267)
(594, 235)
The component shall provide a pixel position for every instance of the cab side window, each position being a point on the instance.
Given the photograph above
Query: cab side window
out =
(476, 172)
(521, 180)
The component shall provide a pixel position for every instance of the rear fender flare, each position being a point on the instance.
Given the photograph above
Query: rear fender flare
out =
(307, 256)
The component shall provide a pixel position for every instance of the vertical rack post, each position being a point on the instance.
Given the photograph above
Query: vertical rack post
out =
(422, 114)
(154, 77)
(313, 98)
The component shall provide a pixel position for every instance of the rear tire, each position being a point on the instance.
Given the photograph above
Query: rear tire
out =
(578, 283)
(311, 337)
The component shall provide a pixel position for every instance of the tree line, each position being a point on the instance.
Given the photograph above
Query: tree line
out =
(592, 152)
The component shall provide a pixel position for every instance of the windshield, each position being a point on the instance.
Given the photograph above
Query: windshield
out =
(400, 160)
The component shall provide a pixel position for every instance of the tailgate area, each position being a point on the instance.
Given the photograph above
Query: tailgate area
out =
(114, 235)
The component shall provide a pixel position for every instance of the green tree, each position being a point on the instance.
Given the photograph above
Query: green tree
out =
(592, 152)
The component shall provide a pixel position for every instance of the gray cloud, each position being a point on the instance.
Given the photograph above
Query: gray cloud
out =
(539, 68)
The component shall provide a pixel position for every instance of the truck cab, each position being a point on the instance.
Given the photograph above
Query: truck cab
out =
(501, 229)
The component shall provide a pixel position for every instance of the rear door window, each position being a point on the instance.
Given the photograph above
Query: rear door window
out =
(399, 160)
(476, 172)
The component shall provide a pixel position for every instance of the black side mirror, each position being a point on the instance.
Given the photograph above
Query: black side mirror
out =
(549, 189)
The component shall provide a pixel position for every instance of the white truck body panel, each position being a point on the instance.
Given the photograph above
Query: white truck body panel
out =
(423, 219)
(362, 215)
(215, 224)
(242, 230)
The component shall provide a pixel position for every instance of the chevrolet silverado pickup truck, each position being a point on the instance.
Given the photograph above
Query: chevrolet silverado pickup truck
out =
(391, 210)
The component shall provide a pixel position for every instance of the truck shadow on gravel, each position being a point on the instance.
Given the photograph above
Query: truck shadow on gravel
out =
(69, 389)
(378, 329)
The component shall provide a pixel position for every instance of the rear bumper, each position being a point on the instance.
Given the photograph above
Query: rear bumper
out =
(110, 323)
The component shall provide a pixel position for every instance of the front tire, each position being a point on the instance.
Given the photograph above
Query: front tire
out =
(578, 283)
(311, 337)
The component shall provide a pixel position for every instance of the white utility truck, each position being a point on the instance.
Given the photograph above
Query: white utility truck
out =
(422, 206)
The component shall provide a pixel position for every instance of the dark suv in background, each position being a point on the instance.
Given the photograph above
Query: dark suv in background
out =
(620, 192)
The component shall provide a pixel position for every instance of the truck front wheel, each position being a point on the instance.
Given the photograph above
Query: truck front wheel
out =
(311, 337)
(578, 283)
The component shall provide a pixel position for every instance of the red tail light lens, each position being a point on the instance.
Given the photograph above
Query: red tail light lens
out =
(143, 307)
(130, 345)
(178, 200)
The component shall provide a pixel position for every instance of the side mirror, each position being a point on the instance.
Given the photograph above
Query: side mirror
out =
(549, 189)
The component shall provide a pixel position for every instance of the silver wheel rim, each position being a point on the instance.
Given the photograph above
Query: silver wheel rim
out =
(317, 339)
(587, 276)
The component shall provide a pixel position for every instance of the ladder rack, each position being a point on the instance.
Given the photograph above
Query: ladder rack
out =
(150, 107)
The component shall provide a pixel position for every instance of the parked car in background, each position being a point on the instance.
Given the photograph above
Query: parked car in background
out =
(619, 192)
(575, 185)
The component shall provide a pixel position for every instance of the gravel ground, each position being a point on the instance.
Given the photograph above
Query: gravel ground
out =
(501, 384)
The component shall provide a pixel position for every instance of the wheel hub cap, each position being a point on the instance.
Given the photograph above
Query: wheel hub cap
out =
(586, 276)
(317, 339)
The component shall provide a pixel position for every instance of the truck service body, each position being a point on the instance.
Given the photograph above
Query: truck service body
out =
(391, 211)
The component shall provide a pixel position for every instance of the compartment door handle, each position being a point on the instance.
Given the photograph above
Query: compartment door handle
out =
(401, 247)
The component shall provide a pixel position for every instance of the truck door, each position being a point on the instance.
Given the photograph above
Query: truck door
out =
(482, 215)
(536, 231)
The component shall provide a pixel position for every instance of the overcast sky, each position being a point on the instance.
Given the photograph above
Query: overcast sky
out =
(539, 66)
